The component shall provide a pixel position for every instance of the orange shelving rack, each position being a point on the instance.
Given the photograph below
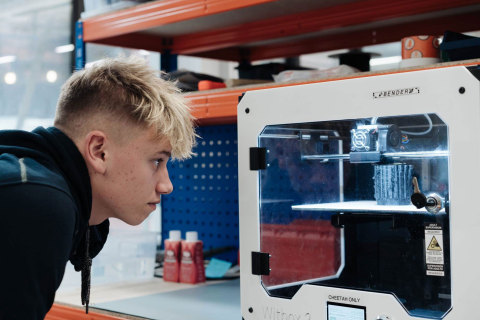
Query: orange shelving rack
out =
(253, 30)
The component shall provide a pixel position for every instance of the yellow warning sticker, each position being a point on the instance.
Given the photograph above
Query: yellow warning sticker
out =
(434, 245)
(434, 258)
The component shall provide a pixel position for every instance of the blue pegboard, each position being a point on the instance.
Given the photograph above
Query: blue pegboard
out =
(205, 196)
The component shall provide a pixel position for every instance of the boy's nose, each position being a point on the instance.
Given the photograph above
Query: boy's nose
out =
(164, 185)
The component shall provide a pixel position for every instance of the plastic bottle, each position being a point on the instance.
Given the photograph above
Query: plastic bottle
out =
(171, 261)
(192, 269)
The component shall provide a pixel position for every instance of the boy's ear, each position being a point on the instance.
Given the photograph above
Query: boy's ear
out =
(96, 151)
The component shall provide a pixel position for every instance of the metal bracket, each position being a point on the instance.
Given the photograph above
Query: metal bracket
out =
(260, 263)
(258, 158)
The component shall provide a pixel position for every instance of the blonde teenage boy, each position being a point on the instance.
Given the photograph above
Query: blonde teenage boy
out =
(117, 124)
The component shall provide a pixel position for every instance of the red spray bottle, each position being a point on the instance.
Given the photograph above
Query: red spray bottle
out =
(171, 262)
(192, 269)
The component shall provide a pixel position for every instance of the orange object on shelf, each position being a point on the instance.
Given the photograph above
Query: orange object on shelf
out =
(59, 312)
(420, 47)
(209, 85)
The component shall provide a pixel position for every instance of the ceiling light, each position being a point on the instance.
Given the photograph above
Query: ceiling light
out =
(51, 76)
(7, 59)
(65, 48)
(10, 78)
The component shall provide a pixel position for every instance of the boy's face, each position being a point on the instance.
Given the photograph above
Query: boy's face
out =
(136, 176)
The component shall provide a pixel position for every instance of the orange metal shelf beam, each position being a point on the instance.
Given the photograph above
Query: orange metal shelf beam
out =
(215, 108)
(59, 312)
(354, 39)
(154, 14)
(220, 107)
(335, 17)
(135, 41)
(129, 27)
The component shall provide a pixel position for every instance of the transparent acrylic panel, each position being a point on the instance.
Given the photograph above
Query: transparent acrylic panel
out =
(336, 208)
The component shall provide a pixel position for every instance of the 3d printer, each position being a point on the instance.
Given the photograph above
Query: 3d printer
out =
(356, 198)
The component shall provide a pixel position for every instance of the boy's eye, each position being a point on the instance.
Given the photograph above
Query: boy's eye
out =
(160, 161)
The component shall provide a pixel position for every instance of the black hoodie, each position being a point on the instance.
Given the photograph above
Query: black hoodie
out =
(45, 204)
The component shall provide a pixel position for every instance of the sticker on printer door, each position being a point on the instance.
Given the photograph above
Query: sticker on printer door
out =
(396, 92)
(434, 255)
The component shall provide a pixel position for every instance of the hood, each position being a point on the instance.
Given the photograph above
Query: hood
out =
(56, 151)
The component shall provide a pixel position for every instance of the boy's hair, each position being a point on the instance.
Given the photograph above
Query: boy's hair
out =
(126, 90)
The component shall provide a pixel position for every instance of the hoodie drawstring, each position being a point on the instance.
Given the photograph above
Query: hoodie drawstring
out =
(86, 269)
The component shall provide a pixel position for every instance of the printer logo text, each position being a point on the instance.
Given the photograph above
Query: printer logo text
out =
(396, 92)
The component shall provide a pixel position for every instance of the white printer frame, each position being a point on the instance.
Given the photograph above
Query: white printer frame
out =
(452, 93)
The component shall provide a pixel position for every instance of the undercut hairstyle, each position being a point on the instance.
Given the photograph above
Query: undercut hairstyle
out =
(125, 91)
